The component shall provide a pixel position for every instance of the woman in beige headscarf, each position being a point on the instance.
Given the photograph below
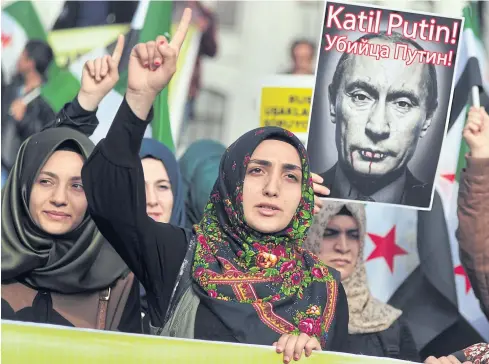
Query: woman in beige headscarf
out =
(337, 236)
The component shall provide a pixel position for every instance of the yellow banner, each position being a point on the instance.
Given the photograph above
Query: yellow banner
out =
(69, 44)
(286, 107)
(24, 343)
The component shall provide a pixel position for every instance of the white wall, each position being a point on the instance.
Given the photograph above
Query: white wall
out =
(261, 48)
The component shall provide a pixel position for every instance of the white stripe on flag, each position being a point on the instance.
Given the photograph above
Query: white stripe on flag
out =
(12, 45)
(140, 15)
(380, 220)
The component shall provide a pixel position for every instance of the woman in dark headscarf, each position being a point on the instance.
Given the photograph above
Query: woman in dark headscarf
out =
(243, 276)
(164, 190)
(56, 267)
(164, 195)
(199, 166)
(375, 328)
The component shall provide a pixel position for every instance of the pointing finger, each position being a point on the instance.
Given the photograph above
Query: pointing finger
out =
(182, 29)
(117, 54)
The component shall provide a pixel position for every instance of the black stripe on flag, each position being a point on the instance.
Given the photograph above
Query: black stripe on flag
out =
(471, 76)
(131, 39)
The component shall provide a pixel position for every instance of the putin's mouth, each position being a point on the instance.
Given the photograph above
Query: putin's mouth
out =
(372, 155)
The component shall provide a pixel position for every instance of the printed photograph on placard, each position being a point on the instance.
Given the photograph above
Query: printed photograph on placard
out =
(381, 102)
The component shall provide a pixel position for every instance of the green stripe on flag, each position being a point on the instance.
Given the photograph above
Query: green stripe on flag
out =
(471, 24)
(61, 88)
(157, 22)
(470, 13)
(161, 122)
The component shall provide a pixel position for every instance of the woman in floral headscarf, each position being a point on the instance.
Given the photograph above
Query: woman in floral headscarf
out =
(242, 276)
(337, 236)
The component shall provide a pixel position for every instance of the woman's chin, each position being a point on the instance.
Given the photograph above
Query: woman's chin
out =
(267, 227)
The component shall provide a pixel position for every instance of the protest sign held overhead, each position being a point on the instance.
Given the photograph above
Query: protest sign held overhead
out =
(381, 102)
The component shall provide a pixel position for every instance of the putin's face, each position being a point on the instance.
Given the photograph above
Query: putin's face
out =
(380, 109)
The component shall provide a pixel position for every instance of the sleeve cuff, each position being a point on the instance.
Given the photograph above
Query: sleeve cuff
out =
(74, 109)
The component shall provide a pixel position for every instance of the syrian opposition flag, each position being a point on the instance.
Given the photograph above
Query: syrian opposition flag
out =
(471, 61)
(412, 257)
(20, 23)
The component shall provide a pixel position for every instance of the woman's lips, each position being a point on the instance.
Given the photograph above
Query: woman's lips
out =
(154, 215)
(57, 215)
(340, 262)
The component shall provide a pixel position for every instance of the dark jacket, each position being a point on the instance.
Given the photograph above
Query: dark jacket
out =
(396, 342)
(416, 193)
(37, 115)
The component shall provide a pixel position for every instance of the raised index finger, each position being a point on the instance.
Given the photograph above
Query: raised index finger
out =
(117, 54)
(181, 32)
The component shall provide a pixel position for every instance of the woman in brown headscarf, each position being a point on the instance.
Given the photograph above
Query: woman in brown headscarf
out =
(337, 236)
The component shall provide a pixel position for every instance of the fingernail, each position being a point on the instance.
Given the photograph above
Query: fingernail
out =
(296, 357)
(157, 63)
(162, 42)
(146, 64)
(286, 359)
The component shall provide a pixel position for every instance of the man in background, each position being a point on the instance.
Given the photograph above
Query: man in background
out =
(302, 54)
(24, 112)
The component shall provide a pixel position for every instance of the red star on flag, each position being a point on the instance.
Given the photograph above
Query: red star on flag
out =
(460, 271)
(449, 177)
(6, 40)
(385, 247)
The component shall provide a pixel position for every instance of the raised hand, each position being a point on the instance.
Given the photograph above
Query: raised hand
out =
(99, 77)
(476, 132)
(151, 67)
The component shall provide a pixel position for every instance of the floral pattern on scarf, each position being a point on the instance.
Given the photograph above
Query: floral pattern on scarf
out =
(265, 277)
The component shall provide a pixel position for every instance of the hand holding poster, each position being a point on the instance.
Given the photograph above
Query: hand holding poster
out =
(383, 89)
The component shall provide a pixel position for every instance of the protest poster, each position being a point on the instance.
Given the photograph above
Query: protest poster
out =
(285, 101)
(381, 102)
(26, 343)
